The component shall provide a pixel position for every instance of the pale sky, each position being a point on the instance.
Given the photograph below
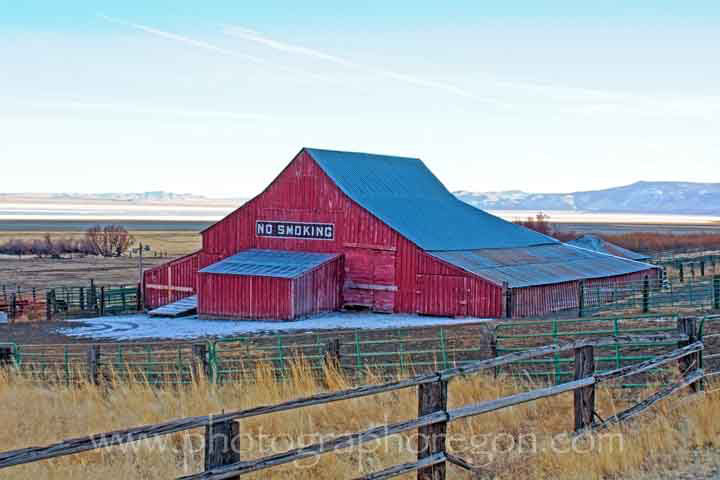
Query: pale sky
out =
(214, 98)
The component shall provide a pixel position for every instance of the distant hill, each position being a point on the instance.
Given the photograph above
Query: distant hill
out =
(159, 196)
(640, 197)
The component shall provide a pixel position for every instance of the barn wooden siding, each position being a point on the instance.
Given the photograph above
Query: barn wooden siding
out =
(171, 281)
(383, 270)
(319, 290)
(270, 298)
(539, 300)
(234, 296)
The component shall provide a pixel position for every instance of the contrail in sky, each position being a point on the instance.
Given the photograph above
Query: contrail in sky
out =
(253, 36)
(579, 99)
(205, 45)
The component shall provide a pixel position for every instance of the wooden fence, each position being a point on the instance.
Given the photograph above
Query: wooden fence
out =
(221, 462)
(59, 303)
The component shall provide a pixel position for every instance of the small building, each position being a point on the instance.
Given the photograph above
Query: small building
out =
(597, 244)
(271, 284)
(339, 230)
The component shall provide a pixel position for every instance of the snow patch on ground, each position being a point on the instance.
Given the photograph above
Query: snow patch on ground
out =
(138, 327)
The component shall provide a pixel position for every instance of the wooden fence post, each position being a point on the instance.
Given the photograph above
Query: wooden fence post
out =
(139, 298)
(507, 297)
(585, 396)
(200, 363)
(688, 326)
(646, 294)
(6, 356)
(93, 364)
(581, 299)
(102, 301)
(92, 295)
(48, 306)
(13, 306)
(716, 292)
(432, 397)
(494, 351)
(332, 353)
(222, 444)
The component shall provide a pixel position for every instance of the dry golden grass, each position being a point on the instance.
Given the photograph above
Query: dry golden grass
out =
(35, 415)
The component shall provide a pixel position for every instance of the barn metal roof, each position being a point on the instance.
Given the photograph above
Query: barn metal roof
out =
(540, 265)
(597, 244)
(404, 193)
(269, 263)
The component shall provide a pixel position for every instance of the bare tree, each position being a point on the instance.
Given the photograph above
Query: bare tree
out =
(540, 223)
(110, 240)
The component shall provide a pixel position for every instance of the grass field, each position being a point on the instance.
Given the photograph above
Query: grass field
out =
(78, 270)
(524, 442)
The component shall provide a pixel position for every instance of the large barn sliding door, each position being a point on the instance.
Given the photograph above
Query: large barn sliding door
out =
(442, 295)
(370, 279)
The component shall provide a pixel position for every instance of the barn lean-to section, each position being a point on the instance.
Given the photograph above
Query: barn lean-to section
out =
(404, 245)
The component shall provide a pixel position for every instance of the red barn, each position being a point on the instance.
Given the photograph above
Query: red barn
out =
(339, 230)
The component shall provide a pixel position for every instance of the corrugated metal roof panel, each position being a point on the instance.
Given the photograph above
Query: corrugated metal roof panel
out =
(269, 263)
(540, 265)
(403, 193)
(593, 242)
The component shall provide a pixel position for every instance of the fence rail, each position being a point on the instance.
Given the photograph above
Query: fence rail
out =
(385, 353)
(433, 413)
(521, 335)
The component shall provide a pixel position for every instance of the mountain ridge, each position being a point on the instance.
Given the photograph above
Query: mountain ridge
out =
(639, 197)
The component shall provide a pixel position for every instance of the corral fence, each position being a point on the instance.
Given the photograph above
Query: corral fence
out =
(19, 303)
(692, 263)
(519, 336)
(649, 295)
(222, 461)
(380, 353)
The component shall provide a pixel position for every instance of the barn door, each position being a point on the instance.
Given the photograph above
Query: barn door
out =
(441, 295)
(370, 279)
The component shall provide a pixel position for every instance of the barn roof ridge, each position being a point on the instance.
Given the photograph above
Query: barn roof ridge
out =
(405, 194)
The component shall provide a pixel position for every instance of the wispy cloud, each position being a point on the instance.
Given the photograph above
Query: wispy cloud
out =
(253, 36)
(206, 46)
(146, 110)
(182, 39)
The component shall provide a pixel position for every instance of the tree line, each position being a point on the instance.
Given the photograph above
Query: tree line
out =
(646, 242)
(106, 241)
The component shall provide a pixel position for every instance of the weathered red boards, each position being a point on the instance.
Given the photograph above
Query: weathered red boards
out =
(271, 284)
(406, 244)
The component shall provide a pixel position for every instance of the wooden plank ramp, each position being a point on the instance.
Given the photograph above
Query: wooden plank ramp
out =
(186, 306)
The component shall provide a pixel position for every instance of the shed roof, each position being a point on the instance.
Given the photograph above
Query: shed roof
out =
(597, 244)
(404, 193)
(269, 263)
(540, 265)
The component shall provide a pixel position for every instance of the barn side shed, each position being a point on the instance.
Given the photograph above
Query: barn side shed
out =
(271, 285)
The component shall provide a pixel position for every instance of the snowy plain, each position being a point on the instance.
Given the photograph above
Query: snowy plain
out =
(144, 327)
